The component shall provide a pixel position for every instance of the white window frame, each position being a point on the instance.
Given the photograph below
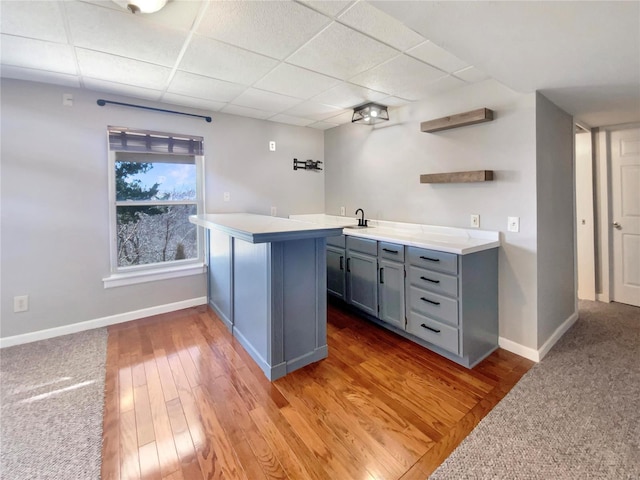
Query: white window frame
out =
(129, 275)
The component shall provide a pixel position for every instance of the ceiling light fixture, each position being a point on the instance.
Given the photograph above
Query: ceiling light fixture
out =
(370, 113)
(142, 6)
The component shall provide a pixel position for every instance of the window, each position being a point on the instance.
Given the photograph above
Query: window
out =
(155, 184)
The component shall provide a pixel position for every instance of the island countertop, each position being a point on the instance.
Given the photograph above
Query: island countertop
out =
(255, 228)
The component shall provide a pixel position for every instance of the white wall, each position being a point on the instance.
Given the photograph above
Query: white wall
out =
(378, 169)
(54, 198)
(555, 218)
(585, 217)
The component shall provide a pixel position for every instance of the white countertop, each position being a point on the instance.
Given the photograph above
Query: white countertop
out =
(262, 228)
(461, 241)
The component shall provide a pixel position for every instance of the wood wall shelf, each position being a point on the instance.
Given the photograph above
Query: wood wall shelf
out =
(458, 177)
(458, 120)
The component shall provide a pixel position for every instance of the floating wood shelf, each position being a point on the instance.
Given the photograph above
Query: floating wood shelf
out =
(458, 177)
(459, 120)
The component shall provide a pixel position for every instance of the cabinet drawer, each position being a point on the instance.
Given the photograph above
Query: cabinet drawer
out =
(433, 305)
(444, 336)
(363, 245)
(433, 260)
(337, 241)
(433, 281)
(391, 251)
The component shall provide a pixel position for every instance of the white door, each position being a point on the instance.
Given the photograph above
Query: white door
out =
(625, 201)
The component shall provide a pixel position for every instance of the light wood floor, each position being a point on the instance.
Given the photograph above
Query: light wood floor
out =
(185, 401)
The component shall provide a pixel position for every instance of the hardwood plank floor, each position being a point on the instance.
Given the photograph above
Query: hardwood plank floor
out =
(185, 401)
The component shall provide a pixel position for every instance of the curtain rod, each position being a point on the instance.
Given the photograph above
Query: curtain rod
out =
(102, 103)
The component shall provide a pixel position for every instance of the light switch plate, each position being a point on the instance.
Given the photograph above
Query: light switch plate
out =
(272, 146)
(475, 221)
(226, 196)
(513, 224)
(342, 211)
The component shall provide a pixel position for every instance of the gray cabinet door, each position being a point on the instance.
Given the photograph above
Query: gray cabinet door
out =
(391, 293)
(336, 281)
(362, 282)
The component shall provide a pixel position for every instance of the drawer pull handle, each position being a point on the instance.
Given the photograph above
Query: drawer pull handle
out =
(429, 280)
(341, 262)
(381, 276)
(389, 251)
(349, 265)
(430, 259)
(429, 328)
(430, 301)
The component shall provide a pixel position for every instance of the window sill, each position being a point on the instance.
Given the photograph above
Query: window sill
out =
(132, 278)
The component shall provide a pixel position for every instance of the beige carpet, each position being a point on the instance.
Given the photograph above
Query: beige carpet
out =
(575, 415)
(51, 404)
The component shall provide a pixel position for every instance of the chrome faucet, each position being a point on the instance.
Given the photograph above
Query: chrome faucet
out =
(361, 221)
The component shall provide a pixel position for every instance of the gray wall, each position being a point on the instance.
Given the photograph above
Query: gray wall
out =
(54, 197)
(378, 169)
(556, 223)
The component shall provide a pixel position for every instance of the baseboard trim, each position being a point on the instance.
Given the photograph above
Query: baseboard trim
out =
(603, 297)
(100, 322)
(537, 355)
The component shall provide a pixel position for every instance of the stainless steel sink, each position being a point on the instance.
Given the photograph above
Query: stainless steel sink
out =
(356, 227)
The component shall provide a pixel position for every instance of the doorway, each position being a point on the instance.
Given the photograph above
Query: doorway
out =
(585, 224)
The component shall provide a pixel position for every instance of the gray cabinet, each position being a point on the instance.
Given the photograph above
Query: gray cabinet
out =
(391, 304)
(336, 280)
(362, 274)
(452, 302)
(220, 275)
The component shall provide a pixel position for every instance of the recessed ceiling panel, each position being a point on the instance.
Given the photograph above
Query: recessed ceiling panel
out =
(341, 119)
(103, 66)
(40, 20)
(53, 78)
(322, 125)
(275, 29)
(368, 19)
(441, 85)
(192, 102)
(247, 112)
(471, 74)
(37, 54)
(295, 81)
(432, 54)
(341, 52)
(123, 34)
(209, 57)
(288, 119)
(184, 83)
(328, 7)
(268, 101)
(313, 110)
(397, 75)
(122, 89)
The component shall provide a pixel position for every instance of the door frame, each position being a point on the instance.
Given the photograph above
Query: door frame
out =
(604, 215)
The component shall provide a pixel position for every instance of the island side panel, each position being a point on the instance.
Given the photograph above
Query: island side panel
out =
(221, 275)
(304, 283)
(251, 299)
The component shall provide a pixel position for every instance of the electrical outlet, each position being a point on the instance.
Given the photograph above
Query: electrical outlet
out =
(226, 196)
(513, 224)
(342, 211)
(67, 99)
(475, 220)
(274, 211)
(272, 146)
(21, 303)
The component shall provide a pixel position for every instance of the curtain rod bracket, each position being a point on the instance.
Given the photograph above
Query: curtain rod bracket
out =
(103, 102)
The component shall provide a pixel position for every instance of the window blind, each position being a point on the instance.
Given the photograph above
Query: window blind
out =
(122, 139)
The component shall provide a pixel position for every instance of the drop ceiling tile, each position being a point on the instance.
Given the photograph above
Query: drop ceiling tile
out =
(247, 112)
(43, 76)
(341, 52)
(295, 81)
(438, 57)
(341, 119)
(209, 57)
(322, 125)
(123, 34)
(191, 85)
(471, 75)
(313, 110)
(364, 17)
(347, 95)
(394, 101)
(282, 118)
(328, 7)
(193, 102)
(40, 20)
(269, 101)
(37, 54)
(121, 89)
(441, 85)
(275, 29)
(396, 75)
(103, 66)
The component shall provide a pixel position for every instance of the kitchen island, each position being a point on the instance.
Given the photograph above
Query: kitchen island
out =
(267, 283)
